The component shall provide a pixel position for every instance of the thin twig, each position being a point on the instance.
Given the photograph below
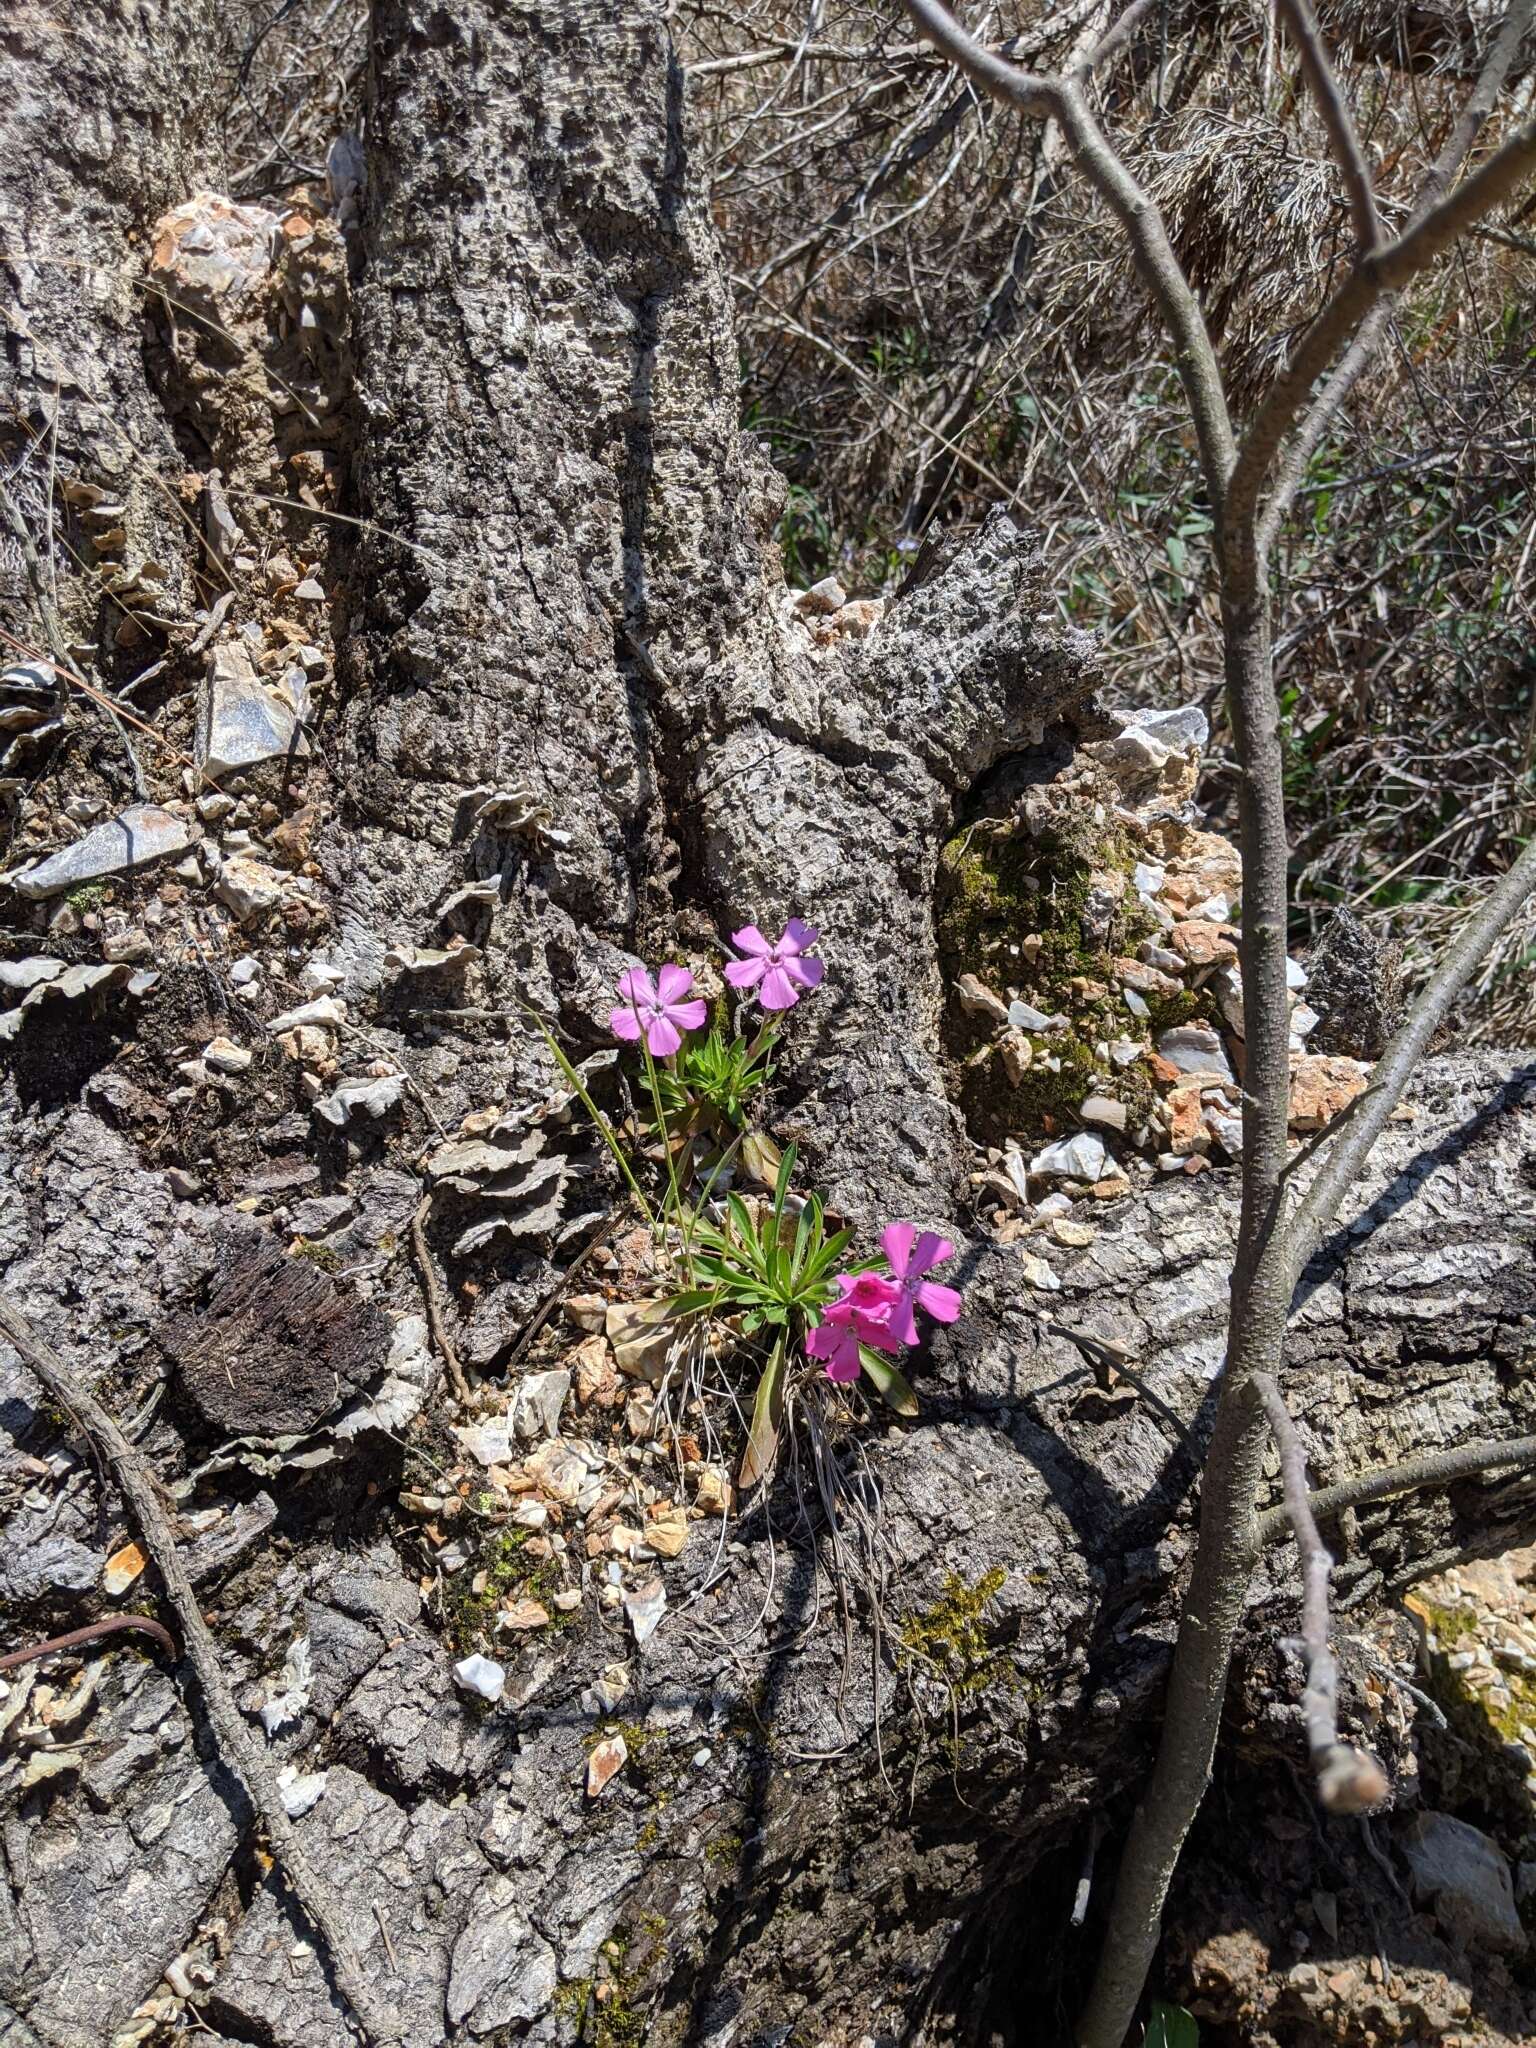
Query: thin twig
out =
(1349, 1779)
(432, 1290)
(313, 1891)
(1337, 121)
(1342, 1168)
(74, 1637)
(1435, 1468)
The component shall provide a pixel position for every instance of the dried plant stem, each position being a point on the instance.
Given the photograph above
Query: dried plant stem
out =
(1348, 1779)
(237, 1746)
(432, 1292)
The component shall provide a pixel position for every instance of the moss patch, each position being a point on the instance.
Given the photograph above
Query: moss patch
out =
(1017, 909)
(950, 1638)
(470, 1617)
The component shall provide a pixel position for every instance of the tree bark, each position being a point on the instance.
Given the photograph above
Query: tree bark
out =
(566, 585)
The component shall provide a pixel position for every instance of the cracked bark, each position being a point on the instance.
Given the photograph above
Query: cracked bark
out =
(588, 606)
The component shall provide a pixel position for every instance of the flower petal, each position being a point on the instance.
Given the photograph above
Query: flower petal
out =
(901, 1322)
(662, 1035)
(778, 991)
(896, 1243)
(673, 983)
(845, 1367)
(624, 1024)
(750, 940)
(942, 1303)
(688, 1016)
(931, 1250)
(805, 969)
(877, 1332)
(636, 986)
(799, 935)
(745, 973)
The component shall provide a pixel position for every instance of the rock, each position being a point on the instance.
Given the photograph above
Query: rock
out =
(713, 1493)
(324, 1011)
(502, 1969)
(667, 1533)
(248, 888)
(300, 1792)
(405, 958)
(18, 976)
(1038, 1274)
(1146, 979)
(1323, 1084)
(309, 591)
(225, 1057)
(245, 720)
(977, 1000)
(645, 1605)
(215, 254)
(826, 596)
(371, 1096)
(1195, 1049)
(858, 618)
(1203, 944)
(537, 1401)
(524, 1615)
(586, 1311)
(1025, 1017)
(1148, 876)
(135, 837)
(123, 1567)
(479, 1675)
(643, 1336)
(1466, 1875)
(1076, 1236)
(1017, 1055)
(593, 1370)
(1102, 1109)
(561, 1472)
(1185, 1114)
(608, 1758)
(1186, 726)
(1080, 1157)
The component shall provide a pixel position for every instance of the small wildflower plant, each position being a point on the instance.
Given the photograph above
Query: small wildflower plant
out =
(773, 1266)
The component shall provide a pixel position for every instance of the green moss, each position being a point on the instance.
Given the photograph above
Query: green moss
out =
(604, 2009)
(89, 896)
(325, 1256)
(998, 889)
(950, 1637)
(470, 1616)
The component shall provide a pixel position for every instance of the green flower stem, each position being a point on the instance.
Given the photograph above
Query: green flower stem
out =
(666, 1146)
(605, 1131)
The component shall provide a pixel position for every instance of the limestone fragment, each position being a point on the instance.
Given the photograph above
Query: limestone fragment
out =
(608, 1758)
(133, 839)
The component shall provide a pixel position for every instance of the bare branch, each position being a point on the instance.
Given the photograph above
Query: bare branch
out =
(1388, 269)
(1435, 1468)
(1480, 104)
(1114, 39)
(1061, 100)
(1348, 1154)
(1349, 1780)
(236, 1746)
(1337, 120)
(1325, 406)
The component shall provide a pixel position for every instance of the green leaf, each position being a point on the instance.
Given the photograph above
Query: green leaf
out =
(767, 1415)
(887, 1382)
(1170, 2026)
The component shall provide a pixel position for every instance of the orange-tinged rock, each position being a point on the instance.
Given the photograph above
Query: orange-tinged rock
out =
(605, 1763)
(1204, 944)
(1323, 1084)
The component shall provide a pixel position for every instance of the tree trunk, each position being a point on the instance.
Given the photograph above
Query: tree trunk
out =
(857, 1786)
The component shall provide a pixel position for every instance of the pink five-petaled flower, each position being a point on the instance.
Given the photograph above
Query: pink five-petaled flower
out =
(658, 1008)
(909, 1261)
(860, 1316)
(783, 966)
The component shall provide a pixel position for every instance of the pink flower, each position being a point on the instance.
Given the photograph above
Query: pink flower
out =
(908, 1262)
(783, 967)
(657, 1008)
(861, 1316)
